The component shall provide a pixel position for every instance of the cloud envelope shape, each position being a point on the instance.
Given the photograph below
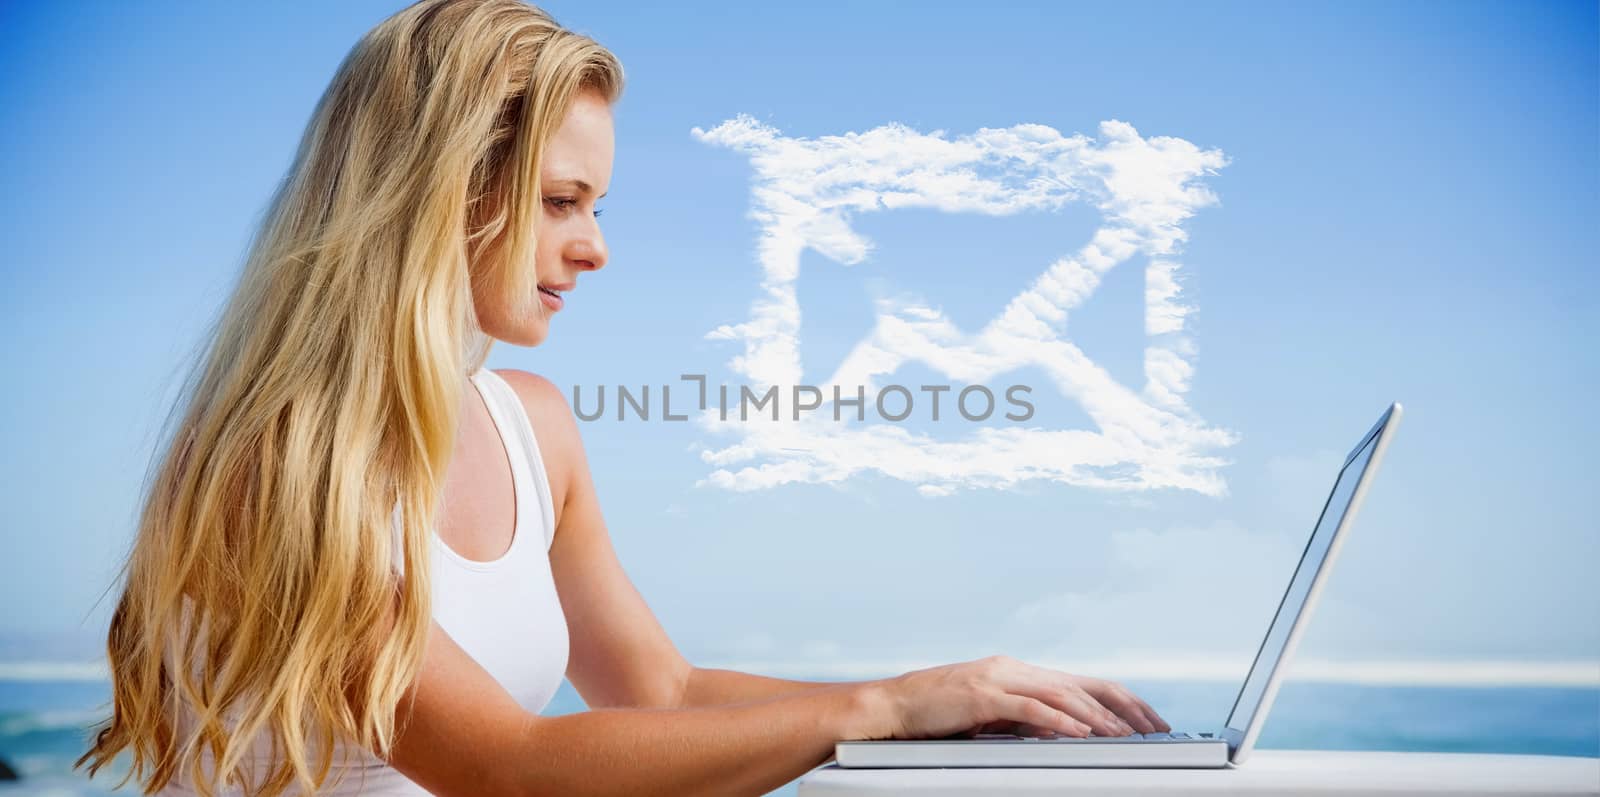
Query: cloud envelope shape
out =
(804, 193)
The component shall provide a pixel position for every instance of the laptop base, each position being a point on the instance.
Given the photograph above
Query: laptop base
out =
(1005, 750)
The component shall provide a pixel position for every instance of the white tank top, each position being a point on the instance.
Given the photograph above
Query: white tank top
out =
(505, 613)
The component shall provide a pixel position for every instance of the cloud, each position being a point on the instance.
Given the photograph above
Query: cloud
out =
(804, 194)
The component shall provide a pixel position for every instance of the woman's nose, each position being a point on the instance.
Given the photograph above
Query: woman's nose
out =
(591, 254)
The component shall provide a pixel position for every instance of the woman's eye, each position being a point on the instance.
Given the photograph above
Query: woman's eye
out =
(565, 203)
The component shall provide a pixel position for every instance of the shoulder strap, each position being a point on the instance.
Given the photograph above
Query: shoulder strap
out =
(510, 408)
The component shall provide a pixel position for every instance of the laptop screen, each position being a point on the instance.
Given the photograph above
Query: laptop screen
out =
(1333, 512)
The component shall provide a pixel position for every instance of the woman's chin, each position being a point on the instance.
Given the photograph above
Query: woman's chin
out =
(531, 332)
(533, 335)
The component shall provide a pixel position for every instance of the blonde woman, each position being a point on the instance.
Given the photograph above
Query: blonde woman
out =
(365, 562)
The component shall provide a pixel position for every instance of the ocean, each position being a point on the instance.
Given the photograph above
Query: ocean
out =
(44, 724)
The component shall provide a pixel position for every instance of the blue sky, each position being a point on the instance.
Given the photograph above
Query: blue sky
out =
(1404, 211)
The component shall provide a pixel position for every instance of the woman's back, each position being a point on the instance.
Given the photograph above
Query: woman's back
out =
(505, 612)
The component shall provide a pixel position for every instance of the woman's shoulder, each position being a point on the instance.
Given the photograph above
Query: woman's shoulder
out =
(540, 397)
(554, 425)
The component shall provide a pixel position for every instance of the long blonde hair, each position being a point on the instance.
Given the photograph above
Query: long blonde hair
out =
(327, 395)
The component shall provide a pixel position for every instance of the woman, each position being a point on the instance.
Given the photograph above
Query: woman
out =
(293, 620)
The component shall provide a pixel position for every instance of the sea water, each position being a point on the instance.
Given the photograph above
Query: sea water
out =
(44, 725)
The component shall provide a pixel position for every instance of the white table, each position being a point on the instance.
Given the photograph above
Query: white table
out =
(1323, 773)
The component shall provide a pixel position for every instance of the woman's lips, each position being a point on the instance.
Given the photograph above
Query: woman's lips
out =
(550, 298)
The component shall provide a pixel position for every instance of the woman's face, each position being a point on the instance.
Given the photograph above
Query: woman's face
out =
(576, 172)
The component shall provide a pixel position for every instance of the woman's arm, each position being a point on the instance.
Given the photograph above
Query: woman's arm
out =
(712, 687)
(463, 734)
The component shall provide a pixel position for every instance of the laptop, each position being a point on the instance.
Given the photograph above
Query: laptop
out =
(1227, 745)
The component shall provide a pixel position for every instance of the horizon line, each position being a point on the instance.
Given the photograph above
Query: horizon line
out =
(1201, 668)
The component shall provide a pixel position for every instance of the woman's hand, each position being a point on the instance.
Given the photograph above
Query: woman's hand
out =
(1000, 694)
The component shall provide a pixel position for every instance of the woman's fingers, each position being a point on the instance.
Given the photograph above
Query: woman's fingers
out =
(1120, 711)
(1038, 713)
(1121, 693)
(1106, 722)
(1106, 706)
(1057, 690)
(1118, 699)
(1080, 704)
